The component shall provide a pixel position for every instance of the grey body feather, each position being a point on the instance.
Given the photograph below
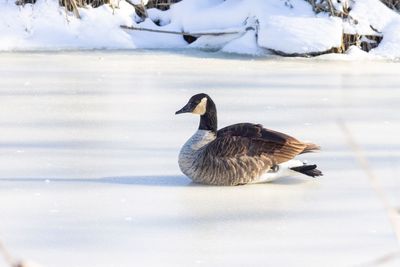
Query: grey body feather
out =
(203, 164)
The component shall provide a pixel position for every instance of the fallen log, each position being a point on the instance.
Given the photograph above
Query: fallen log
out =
(197, 34)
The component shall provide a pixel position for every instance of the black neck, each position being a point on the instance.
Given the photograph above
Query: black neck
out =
(208, 121)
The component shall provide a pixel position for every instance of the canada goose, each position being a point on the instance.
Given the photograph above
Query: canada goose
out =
(238, 154)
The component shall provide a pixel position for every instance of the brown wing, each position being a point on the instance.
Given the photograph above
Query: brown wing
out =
(254, 140)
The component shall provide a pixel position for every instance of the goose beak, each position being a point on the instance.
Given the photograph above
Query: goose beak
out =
(185, 109)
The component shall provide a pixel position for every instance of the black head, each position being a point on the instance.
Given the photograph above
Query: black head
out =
(204, 106)
(197, 105)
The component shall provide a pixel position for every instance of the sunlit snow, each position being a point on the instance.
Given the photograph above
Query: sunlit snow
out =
(289, 27)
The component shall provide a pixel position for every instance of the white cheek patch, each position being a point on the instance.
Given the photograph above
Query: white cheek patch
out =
(201, 107)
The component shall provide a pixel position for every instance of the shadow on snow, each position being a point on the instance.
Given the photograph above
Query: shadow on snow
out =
(164, 181)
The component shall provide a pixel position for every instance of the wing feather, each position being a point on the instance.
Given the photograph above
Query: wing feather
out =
(247, 139)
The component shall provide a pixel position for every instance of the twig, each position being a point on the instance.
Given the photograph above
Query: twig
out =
(331, 8)
(382, 260)
(75, 8)
(70, 5)
(7, 256)
(179, 33)
(13, 262)
(393, 215)
(140, 9)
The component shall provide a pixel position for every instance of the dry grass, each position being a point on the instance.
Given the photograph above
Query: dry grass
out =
(141, 10)
(83, 3)
(70, 3)
(364, 42)
(393, 4)
(329, 7)
(161, 4)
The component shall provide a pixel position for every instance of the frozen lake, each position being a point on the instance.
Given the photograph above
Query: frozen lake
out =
(89, 175)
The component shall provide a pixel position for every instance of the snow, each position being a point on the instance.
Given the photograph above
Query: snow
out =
(353, 53)
(197, 16)
(379, 16)
(44, 26)
(390, 44)
(300, 35)
(89, 173)
(140, 2)
(384, 20)
(288, 26)
(246, 44)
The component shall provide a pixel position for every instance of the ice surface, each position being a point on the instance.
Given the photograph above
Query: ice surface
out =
(89, 175)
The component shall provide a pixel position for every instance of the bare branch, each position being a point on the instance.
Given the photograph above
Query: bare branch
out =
(179, 33)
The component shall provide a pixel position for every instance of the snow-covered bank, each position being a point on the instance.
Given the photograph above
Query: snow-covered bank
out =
(287, 27)
(45, 26)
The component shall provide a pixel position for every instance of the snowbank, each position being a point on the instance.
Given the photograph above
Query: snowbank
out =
(300, 35)
(384, 20)
(289, 27)
(45, 26)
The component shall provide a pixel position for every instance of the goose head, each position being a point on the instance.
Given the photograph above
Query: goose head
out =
(203, 105)
(197, 104)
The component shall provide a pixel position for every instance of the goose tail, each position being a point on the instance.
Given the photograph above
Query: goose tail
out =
(310, 170)
(310, 147)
